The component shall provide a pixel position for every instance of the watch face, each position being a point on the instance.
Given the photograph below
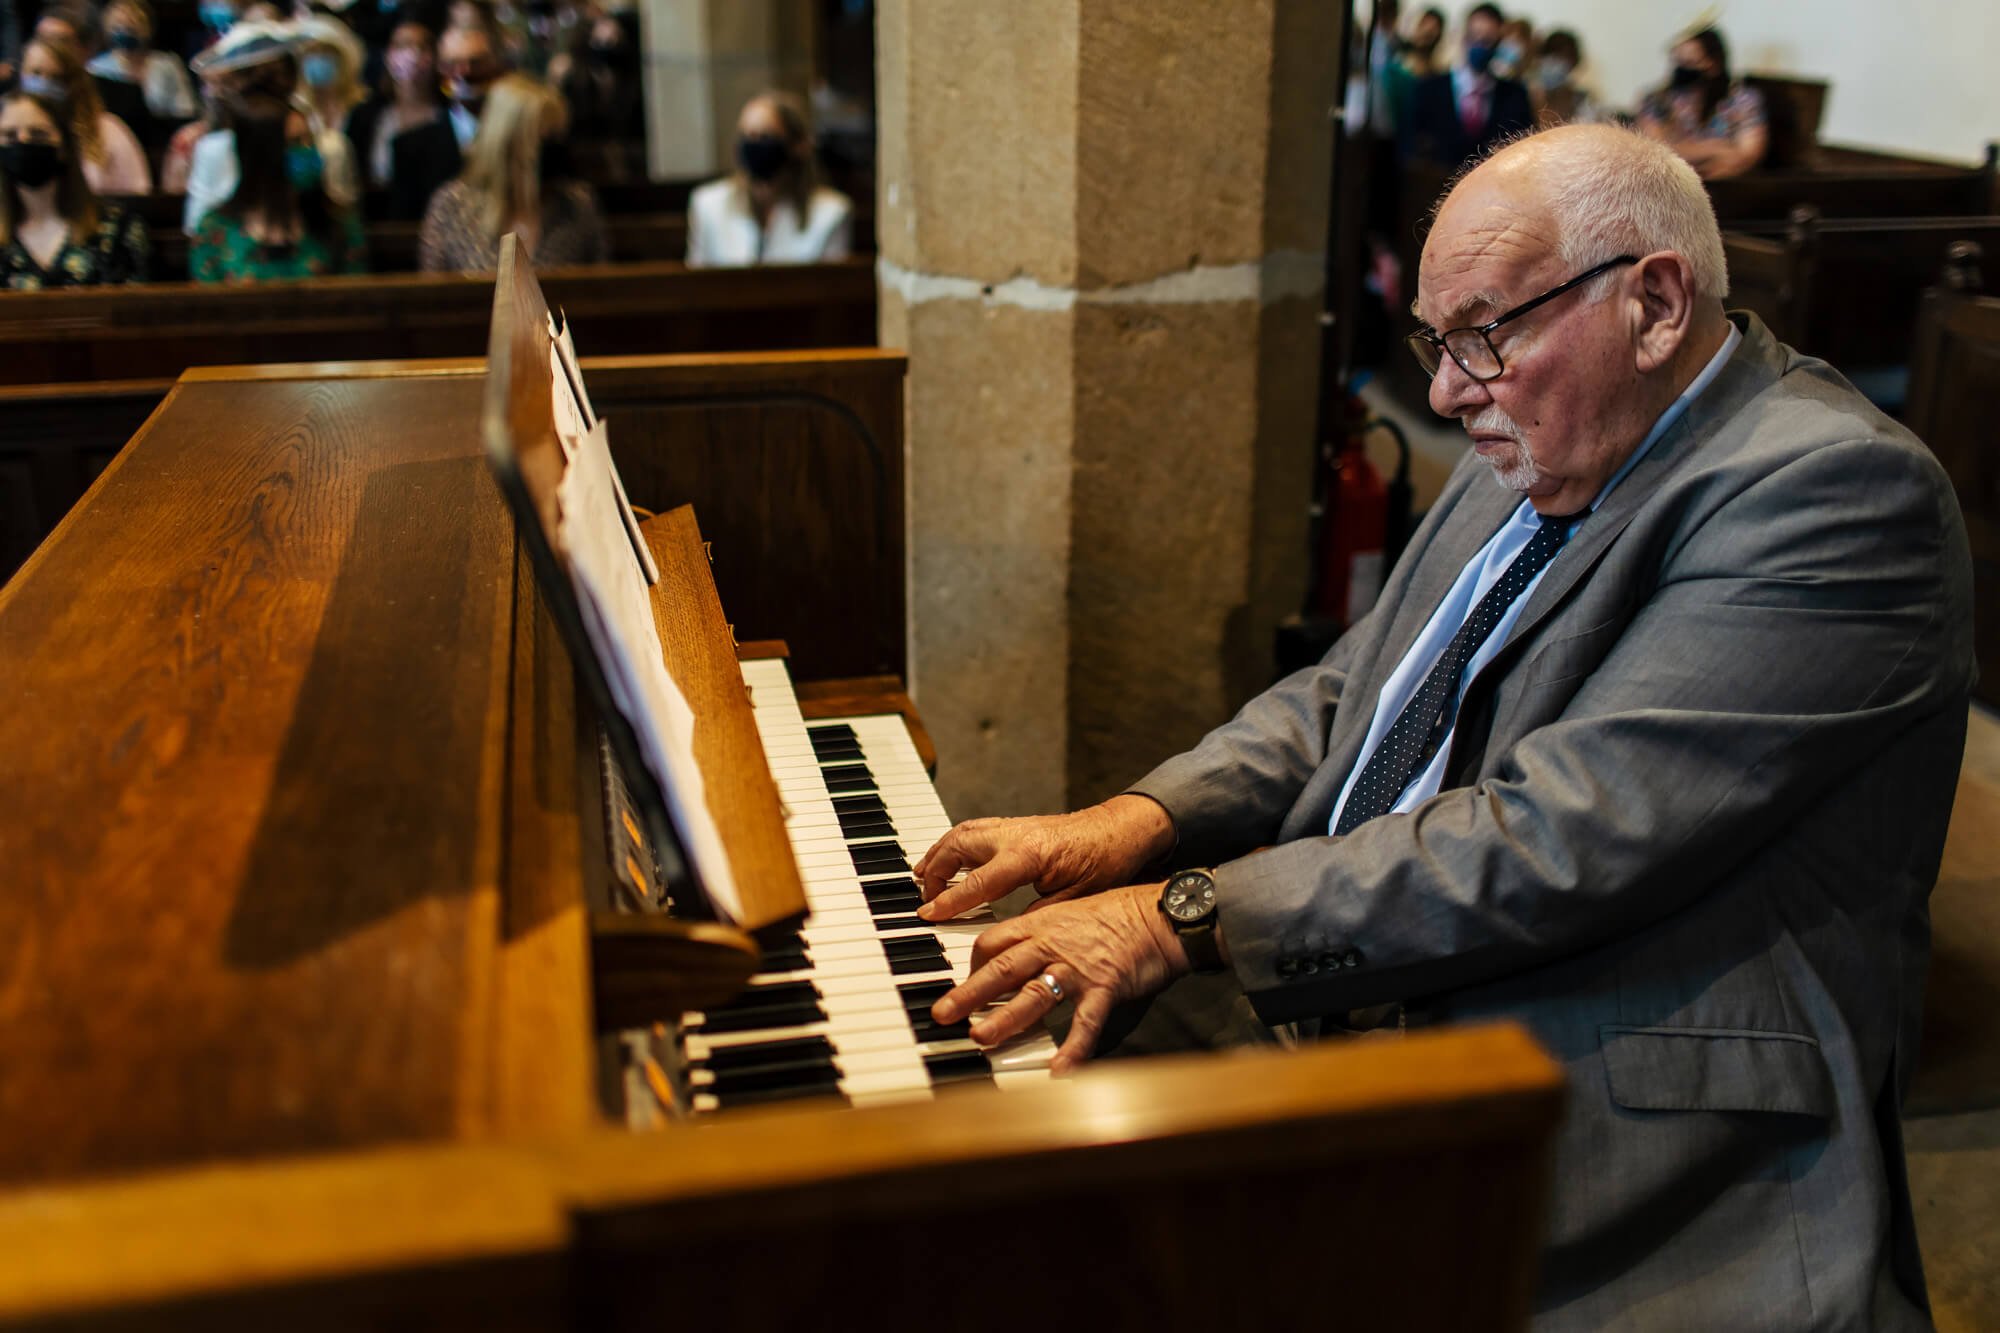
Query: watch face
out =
(1189, 897)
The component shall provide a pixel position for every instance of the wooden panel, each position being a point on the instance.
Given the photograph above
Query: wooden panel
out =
(54, 441)
(251, 882)
(737, 783)
(1366, 1168)
(1954, 400)
(794, 464)
(160, 330)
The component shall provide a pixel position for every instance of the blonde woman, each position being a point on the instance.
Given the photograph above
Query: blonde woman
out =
(773, 210)
(113, 161)
(517, 179)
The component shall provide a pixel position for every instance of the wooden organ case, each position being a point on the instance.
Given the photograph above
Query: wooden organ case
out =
(316, 995)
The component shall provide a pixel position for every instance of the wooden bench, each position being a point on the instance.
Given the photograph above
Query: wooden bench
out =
(158, 330)
(1953, 402)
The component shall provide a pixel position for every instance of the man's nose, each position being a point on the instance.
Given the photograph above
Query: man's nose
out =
(1453, 392)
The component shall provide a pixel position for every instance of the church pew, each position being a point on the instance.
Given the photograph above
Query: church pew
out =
(54, 441)
(1954, 400)
(159, 330)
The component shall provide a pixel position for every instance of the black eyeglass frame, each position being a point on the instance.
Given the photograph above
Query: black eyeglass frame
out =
(1440, 343)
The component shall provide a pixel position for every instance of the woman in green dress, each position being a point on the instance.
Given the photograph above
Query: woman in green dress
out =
(280, 224)
(53, 231)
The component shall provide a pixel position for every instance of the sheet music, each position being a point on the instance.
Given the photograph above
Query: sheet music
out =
(618, 617)
(572, 404)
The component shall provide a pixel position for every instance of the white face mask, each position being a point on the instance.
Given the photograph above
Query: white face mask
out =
(1554, 71)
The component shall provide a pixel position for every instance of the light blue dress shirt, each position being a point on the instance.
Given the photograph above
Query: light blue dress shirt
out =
(1479, 575)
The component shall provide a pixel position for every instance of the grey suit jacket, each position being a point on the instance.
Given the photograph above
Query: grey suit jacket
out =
(1692, 814)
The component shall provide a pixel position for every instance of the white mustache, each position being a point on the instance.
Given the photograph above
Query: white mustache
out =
(1495, 422)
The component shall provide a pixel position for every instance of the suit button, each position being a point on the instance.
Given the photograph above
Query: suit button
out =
(1330, 961)
(1308, 966)
(1286, 967)
(1353, 958)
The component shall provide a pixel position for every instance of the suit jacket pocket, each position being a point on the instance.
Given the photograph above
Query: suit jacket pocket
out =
(1573, 655)
(1716, 1069)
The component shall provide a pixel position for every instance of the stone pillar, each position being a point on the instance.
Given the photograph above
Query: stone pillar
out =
(1101, 225)
(704, 60)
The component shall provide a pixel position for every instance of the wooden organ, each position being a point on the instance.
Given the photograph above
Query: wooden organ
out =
(326, 995)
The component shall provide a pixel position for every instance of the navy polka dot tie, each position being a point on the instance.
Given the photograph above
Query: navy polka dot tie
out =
(1427, 719)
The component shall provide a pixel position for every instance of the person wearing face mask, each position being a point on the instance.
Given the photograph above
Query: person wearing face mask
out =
(113, 160)
(128, 59)
(468, 62)
(279, 223)
(600, 81)
(1559, 98)
(330, 58)
(257, 58)
(518, 178)
(773, 210)
(1460, 114)
(53, 231)
(1717, 123)
(400, 134)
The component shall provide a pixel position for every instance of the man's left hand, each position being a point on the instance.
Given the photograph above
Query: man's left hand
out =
(1101, 951)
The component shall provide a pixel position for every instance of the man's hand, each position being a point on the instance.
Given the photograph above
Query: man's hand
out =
(1101, 950)
(1063, 856)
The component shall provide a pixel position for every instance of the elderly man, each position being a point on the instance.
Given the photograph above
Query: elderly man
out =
(1650, 747)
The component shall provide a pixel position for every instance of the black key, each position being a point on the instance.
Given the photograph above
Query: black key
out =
(757, 1054)
(785, 958)
(909, 944)
(904, 967)
(752, 1096)
(899, 905)
(842, 772)
(887, 886)
(900, 923)
(862, 828)
(841, 729)
(838, 752)
(877, 863)
(796, 1074)
(858, 805)
(929, 1029)
(922, 994)
(778, 1016)
(958, 1066)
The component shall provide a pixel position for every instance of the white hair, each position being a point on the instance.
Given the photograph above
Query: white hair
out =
(1612, 191)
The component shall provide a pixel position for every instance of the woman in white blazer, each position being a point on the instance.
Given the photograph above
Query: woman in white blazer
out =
(772, 210)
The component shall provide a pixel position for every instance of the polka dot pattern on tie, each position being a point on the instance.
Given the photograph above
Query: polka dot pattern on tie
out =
(1413, 741)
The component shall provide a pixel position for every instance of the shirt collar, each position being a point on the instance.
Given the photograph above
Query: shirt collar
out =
(1675, 410)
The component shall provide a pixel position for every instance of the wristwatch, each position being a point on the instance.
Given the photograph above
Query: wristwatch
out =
(1188, 904)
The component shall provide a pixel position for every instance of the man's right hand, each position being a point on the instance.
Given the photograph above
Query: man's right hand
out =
(1063, 856)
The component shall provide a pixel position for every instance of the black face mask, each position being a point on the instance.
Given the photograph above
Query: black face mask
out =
(762, 156)
(31, 164)
(556, 164)
(1687, 76)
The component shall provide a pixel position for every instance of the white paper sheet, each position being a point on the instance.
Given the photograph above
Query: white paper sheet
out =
(618, 617)
(572, 405)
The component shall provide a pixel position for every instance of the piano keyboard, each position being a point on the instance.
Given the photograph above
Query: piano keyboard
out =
(845, 1007)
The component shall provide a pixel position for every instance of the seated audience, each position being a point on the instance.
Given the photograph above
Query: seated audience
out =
(129, 58)
(517, 179)
(257, 57)
(1460, 114)
(400, 135)
(330, 59)
(1514, 54)
(53, 231)
(1558, 97)
(71, 25)
(1714, 121)
(280, 222)
(113, 160)
(773, 210)
(469, 62)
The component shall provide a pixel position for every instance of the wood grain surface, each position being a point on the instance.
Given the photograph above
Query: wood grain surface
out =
(701, 658)
(251, 817)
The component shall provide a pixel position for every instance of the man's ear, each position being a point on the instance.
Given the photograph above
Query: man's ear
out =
(1666, 308)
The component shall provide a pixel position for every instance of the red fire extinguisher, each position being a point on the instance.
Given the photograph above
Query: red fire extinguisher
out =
(1354, 526)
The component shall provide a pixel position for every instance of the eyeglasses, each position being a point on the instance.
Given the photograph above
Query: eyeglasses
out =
(1472, 346)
